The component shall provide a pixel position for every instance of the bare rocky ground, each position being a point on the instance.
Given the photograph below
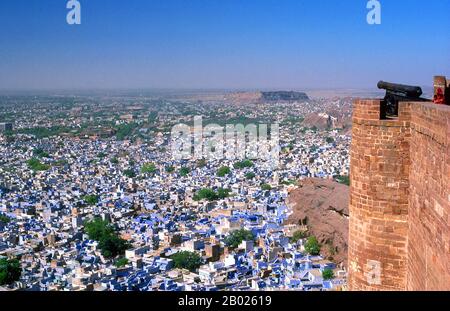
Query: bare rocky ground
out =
(322, 206)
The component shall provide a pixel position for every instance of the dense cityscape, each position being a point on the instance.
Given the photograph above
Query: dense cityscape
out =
(224, 154)
(92, 197)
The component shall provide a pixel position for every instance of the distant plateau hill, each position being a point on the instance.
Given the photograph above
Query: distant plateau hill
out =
(288, 96)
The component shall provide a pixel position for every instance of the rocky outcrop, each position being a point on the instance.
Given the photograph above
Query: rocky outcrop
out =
(322, 206)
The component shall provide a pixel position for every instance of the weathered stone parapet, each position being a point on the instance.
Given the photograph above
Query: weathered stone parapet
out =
(429, 209)
(378, 199)
(400, 198)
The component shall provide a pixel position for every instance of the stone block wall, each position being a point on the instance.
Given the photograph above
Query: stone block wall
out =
(429, 209)
(378, 199)
(399, 198)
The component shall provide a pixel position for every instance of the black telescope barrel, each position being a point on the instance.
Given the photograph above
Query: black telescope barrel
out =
(408, 90)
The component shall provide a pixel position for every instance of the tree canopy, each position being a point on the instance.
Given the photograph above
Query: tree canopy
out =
(39, 152)
(112, 246)
(184, 171)
(170, 169)
(312, 246)
(187, 260)
(223, 171)
(124, 131)
(91, 199)
(115, 160)
(148, 168)
(10, 271)
(266, 187)
(98, 228)
(109, 242)
(345, 179)
(4, 219)
(211, 195)
(236, 237)
(130, 173)
(298, 235)
(327, 274)
(36, 165)
(250, 175)
(243, 164)
(122, 262)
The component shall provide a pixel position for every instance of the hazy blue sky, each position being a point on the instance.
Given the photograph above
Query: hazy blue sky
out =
(289, 44)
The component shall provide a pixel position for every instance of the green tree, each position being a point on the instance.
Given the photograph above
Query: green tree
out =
(266, 187)
(148, 168)
(184, 171)
(312, 246)
(223, 171)
(243, 164)
(101, 155)
(236, 237)
(211, 195)
(36, 165)
(187, 260)
(115, 160)
(98, 228)
(5, 219)
(170, 169)
(327, 274)
(250, 175)
(345, 179)
(125, 130)
(152, 116)
(330, 140)
(130, 173)
(298, 235)
(110, 244)
(207, 194)
(289, 182)
(39, 152)
(122, 262)
(91, 199)
(223, 193)
(10, 271)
